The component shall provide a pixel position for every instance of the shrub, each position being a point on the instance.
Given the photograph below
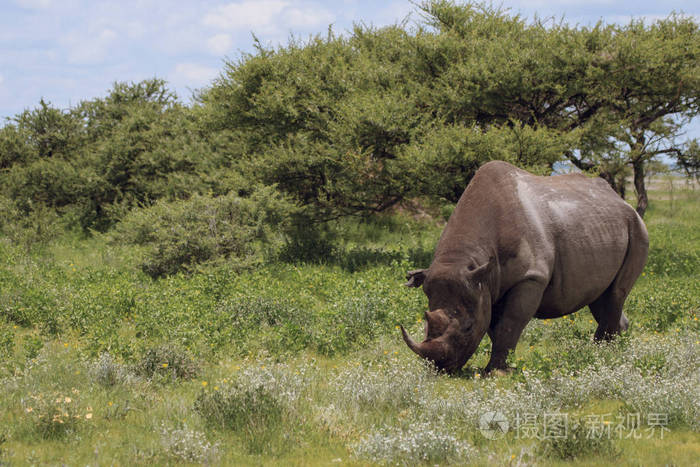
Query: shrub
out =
(261, 322)
(27, 227)
(353, 321)
(188, 445)
(56, 415)
(167, 361)
(32, 345)
(387, 384)
(261, 404)
(252, 411)
(660, 303)
(579, 441)
(108, 372)
(237, 407)
(179, 235)
(421, 443)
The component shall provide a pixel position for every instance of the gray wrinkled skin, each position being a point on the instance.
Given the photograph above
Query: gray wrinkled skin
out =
(519, 246)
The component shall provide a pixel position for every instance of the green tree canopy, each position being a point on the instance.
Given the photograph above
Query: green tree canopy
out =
(353, 124)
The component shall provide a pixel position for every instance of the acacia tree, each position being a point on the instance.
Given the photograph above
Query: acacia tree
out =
(650, 91)
(625, 91)
(353, 125)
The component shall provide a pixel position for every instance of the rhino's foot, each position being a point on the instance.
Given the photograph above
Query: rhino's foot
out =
(497, 370)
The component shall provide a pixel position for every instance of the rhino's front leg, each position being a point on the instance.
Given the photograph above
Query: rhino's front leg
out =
(509, 318)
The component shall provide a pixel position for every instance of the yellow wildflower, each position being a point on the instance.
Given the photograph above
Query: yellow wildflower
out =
(88, 416)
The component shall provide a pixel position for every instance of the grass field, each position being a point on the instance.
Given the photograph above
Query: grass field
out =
(301, 364)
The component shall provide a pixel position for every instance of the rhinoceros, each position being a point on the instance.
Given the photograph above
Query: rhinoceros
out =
(519, 246)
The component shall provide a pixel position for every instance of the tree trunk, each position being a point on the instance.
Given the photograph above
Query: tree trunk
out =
(616, 182)
(640, 188)
(622, 186)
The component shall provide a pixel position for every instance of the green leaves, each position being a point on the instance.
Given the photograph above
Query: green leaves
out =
(353, 125)
(180, 235)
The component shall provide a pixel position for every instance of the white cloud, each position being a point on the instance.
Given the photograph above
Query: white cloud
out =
(247, 14)
(219, 44)
(1, 79)
(34, 4)
(266, 16)
(193, 74)
(307, 17)
(89, 49)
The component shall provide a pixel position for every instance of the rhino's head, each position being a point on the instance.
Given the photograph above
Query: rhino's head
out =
(459, 314)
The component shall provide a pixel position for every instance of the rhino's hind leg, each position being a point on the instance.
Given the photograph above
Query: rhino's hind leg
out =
(607, 309)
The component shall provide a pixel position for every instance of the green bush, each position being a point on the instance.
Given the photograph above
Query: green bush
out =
(107, 372)
(253, 322)
(251, 410)
(56, 415)
(168, 361)
(661, 302)
(94, 162)
(28, 227)
(580, 440)
(180, 235)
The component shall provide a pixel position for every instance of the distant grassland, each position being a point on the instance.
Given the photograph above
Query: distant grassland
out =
(301, 364)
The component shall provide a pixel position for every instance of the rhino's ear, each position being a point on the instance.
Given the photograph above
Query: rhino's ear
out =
(480, 273)
(415, 278)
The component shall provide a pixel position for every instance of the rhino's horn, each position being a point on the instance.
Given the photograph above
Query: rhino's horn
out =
(431, 349)
(413, 345)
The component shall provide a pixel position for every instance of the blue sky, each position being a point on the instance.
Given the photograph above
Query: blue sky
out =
(69, 50)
